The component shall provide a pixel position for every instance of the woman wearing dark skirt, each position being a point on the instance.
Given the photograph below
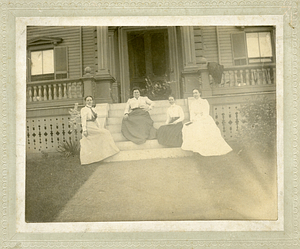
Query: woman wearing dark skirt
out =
(170, 134)
(137, 125)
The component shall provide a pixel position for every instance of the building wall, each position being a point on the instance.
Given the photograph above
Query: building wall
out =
(206, 43)
(71, 39)
(88, 47)
(224, 34)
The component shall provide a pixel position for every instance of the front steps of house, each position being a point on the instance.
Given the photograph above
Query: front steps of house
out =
(151, 149)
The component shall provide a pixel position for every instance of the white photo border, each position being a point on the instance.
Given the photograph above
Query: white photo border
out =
(15, 235)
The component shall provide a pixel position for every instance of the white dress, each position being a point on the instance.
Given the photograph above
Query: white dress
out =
(203, 135)
(99, 143)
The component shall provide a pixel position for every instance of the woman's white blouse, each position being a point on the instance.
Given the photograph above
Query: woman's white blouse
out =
(86, 114)
(175, 111)
(136, 103)
(199, 108)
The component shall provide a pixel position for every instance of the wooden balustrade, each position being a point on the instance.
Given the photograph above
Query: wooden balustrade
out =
(247, 76)
(54, 90)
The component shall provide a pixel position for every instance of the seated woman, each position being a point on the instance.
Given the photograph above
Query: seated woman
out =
(137, 125)
(170, 134)
(96, 143)
(201, 134)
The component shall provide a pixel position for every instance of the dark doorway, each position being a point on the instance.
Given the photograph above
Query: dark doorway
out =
(148, 57)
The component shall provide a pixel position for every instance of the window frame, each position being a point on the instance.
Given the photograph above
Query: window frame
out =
(42, 44)
(244, 31)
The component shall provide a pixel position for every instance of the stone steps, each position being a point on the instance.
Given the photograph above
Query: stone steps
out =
(151, 148)
(134, 155)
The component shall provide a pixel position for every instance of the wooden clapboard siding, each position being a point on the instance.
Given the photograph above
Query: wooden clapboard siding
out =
(198, 39)
(210, 43)
(225, 44)
(88, 47)
(71, 39)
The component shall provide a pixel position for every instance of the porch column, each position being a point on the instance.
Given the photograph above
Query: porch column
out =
(205, 83)
(88, 82)
(190, 75)
(103, 78)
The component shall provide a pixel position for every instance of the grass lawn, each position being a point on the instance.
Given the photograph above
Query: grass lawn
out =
(235, 186)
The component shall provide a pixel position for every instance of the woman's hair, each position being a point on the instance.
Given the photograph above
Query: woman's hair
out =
(171, 96)
(197, 90)
(89, 96)
(136, 88)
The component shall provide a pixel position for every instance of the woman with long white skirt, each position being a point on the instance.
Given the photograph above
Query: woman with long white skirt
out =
(96, 143)
(201, 134)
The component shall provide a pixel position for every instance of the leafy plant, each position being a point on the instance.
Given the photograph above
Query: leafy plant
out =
(75, 118)
(70, 148)
(258, 129)
(158, 89)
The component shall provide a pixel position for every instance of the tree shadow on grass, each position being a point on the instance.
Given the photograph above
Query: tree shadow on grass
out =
(50, 183)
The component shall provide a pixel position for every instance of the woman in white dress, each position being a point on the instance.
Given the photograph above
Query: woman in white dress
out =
(96, 143)
(201, 134)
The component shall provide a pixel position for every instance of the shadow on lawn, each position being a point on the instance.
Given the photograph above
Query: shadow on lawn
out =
(50, 183)
(239, 185)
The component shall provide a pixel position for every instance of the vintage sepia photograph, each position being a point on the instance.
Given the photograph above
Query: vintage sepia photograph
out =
(151, 123)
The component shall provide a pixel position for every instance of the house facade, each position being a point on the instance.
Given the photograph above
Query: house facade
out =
(228, 63)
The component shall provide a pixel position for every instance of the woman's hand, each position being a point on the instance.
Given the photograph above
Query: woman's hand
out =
(85, 133)
(125, 116)
(146, 108)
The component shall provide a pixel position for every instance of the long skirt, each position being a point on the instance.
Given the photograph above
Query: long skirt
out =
(204, 137)
(97, 146)
(170, 135)
(138, 127)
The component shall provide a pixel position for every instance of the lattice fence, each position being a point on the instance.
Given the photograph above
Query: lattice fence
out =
(227, 117)
(45, 134)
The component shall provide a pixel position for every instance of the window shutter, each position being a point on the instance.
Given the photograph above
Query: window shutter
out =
(61, 62)
(239, 48)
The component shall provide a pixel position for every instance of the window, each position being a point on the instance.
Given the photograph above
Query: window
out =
(42, 63)
(47, 62)
(251, 47)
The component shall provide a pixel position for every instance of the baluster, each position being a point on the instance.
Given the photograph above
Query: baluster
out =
(258, 73)
(78, 95)
(247, 77)
(59, 91)
(222, 80)
(29, 94)
(40, 93)
(268, 76)
(274, 75)
(235, 78)
(70, 86)
(49, 92)
(242, 77)
(264, 76)
(54, 92)
(45, 92)
(65, 90)
(227, 78)
(34, 93)
(231, 78)
(252, 77)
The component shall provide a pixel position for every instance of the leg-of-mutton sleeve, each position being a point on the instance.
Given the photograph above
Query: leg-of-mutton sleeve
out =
(127, 107)
(181, 114)
(168, 116)
(149, 102)
(83, 114)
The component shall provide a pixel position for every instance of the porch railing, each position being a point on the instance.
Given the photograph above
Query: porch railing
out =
(54, 90)
(247, 76)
